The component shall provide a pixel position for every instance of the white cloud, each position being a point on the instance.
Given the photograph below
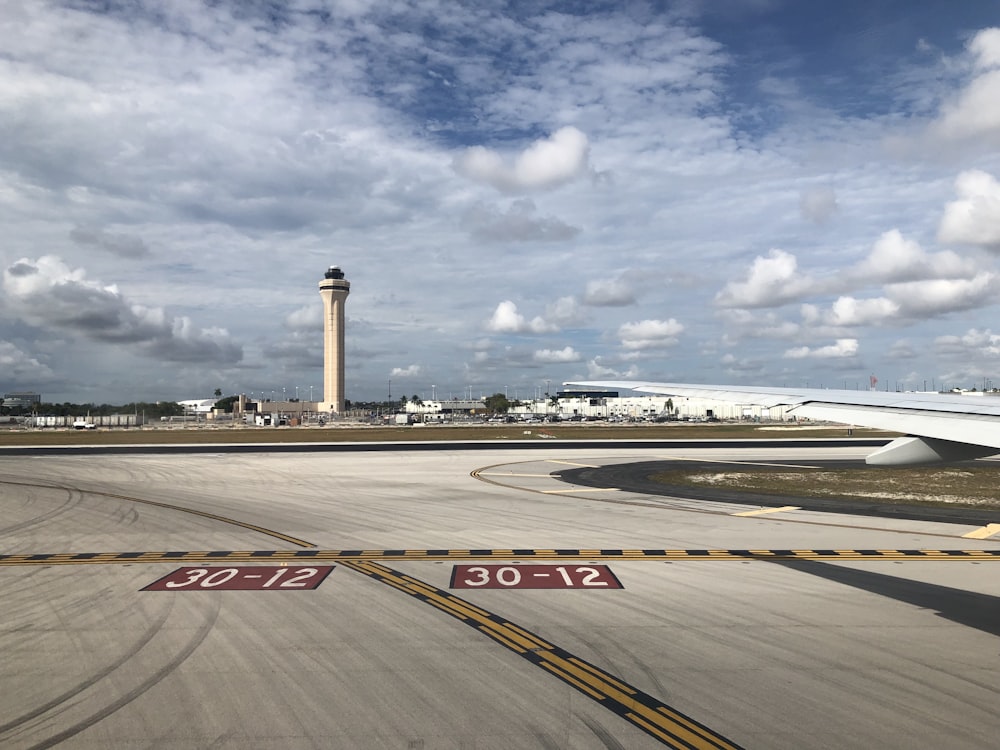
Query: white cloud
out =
(843, 348)
(506, 319)
(894, 258)
(19, 367)
(308, 318)
(848, 311)
(411, 371)
(47, 293)
(975, 111)
(650, 334)
(981, 342)
(941, 296)
(818, 204)
(545, 164)
(565, 311)
(973, 219)
(908, 302)
(609, 293)
(743, 324)
(771, 282)
(519, 223)
(220, 151)
(122, 245)
(596, 370)
(557, 356)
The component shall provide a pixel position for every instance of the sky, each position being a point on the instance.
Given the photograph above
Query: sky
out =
(764, 192)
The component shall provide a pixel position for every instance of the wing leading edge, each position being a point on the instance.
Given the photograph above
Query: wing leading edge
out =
(938, 427)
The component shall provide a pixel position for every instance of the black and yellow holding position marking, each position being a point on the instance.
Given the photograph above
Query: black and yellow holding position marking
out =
(82, 558)
(666, 724)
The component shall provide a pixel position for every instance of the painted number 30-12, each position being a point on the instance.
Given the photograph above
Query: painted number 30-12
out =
(249, 578)
(533, 577)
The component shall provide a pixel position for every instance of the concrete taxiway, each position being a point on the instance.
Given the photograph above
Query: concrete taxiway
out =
(783, 628)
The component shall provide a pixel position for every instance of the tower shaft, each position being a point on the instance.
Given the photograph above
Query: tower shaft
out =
(334, 289)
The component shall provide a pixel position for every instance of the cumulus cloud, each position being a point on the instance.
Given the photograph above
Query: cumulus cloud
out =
(557, 356)
(547, 163)
(506, 319)
(19, 367)
(742, 367)
(308, 318)
(761, 324)
(975, 112)
(940, 296)
(973, 219)
(519, 223)
(843, 348)
(596, 370)
(650, 334)
(908, 302)
(609, 293)
(771, 282)
(47, 293)
(122, 245)
(410, 371)
(894, 258)
(818, 204)
(849, 311)
(974, 341)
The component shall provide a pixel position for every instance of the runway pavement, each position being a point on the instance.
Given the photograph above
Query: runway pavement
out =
(476, 600)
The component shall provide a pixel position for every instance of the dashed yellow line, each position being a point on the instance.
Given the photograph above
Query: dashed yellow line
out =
(269, 556)
(668, 725)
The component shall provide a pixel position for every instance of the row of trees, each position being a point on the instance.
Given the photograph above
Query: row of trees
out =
(151, 410)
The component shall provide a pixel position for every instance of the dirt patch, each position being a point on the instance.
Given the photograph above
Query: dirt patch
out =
(965, 486)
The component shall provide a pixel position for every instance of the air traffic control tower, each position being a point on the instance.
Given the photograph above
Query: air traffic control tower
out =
(334, 289)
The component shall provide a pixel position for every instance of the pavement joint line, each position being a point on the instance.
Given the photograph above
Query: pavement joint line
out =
(575, 490)
(511, 474)
(738, 463)
(370, 557)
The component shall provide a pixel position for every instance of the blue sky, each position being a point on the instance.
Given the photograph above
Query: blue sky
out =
(757, 191)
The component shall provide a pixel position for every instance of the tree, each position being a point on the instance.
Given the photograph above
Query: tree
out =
(226, 404)
(218, 393)
(497, 403)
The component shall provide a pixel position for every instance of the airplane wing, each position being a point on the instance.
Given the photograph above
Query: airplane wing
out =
(938, 426)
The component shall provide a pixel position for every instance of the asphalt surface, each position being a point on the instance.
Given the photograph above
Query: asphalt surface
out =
(792, 628)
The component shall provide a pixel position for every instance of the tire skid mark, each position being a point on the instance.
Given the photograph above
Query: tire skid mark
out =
(73, 498)
(149, 682)
(170, 506)
(93, 679)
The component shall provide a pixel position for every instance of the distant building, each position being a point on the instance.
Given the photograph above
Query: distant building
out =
(198, 405)
(21, 400)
